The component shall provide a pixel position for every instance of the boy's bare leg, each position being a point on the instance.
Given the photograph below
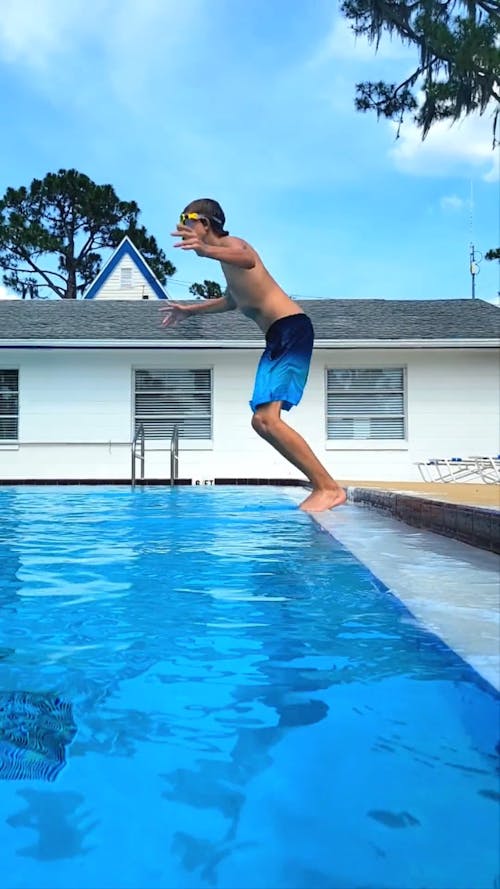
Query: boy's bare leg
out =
(326, 492)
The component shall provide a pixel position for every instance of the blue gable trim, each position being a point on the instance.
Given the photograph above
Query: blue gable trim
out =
(126, 248)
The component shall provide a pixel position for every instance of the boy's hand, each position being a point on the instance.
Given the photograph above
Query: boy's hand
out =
(174, 312)
(190, 240)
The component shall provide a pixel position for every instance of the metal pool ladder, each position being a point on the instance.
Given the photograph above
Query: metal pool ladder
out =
(139, 442)
(138, 437)
(174, 455)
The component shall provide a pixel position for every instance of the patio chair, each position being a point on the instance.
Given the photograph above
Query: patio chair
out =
(488, 468)
(449, 469)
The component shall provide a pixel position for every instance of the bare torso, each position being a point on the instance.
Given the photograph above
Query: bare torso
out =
(257, 295)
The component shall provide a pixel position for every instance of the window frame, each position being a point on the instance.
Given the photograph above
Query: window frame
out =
(126, 285)
(195, 444)
(375, 444)
(15, 440)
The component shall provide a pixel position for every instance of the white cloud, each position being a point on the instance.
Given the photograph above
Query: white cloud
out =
(110, 50)
(34, 31)
(454, 203)
(4, 294)
(459, 149)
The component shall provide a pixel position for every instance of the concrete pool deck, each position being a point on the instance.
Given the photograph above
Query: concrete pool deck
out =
(452, 588)
(477, 495)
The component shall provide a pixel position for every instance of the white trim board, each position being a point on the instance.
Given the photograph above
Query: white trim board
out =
(242, 344)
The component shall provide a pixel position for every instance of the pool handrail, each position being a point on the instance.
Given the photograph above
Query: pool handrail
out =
(174, 455)
(139, 438)
(139, 435)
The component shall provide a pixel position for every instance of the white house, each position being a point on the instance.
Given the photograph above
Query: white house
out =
(391, 383)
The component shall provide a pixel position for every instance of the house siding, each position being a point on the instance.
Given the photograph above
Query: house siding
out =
(86, 396)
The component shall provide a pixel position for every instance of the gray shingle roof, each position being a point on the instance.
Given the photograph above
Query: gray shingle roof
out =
(333, 319)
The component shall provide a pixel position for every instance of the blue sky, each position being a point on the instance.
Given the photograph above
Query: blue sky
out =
(251, 103)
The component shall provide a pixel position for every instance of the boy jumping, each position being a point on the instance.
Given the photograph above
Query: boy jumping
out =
(284, 366)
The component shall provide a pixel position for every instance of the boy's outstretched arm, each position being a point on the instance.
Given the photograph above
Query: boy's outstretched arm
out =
(232, 251)
(174, 312)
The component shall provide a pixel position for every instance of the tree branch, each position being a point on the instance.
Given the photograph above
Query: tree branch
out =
(13, 268)
(87, 246)
(44, 275)
(488, 7)
(411, 78)
(56, 274)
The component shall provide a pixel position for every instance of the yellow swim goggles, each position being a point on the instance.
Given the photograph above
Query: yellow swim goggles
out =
(186, 218)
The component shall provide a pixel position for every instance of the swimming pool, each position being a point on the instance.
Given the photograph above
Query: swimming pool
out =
(199, 687)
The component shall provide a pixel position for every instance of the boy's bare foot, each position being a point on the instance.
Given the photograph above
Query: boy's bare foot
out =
(324, 499)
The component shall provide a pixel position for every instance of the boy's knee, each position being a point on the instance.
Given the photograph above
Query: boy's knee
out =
(263, 423)
(257, 423)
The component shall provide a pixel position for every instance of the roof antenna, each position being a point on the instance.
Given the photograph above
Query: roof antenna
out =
(473, 264)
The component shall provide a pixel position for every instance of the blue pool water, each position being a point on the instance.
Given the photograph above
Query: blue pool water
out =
(198, 687)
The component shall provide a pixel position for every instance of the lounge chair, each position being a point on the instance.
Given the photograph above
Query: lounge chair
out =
(453, 469)
(489, 469)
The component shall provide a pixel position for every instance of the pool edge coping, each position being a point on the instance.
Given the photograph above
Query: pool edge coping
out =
(478, 526)
(487, 667)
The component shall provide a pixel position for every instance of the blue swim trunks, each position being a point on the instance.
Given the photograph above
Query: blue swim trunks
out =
(284, 365)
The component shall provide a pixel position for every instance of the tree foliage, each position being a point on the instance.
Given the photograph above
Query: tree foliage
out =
(458, 68)
(52, 234)
(493, 254)
(207, 290)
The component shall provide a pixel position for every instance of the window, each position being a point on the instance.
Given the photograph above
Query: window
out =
(365, 404)
(165, 398)
(125, 277)
(9, 405)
